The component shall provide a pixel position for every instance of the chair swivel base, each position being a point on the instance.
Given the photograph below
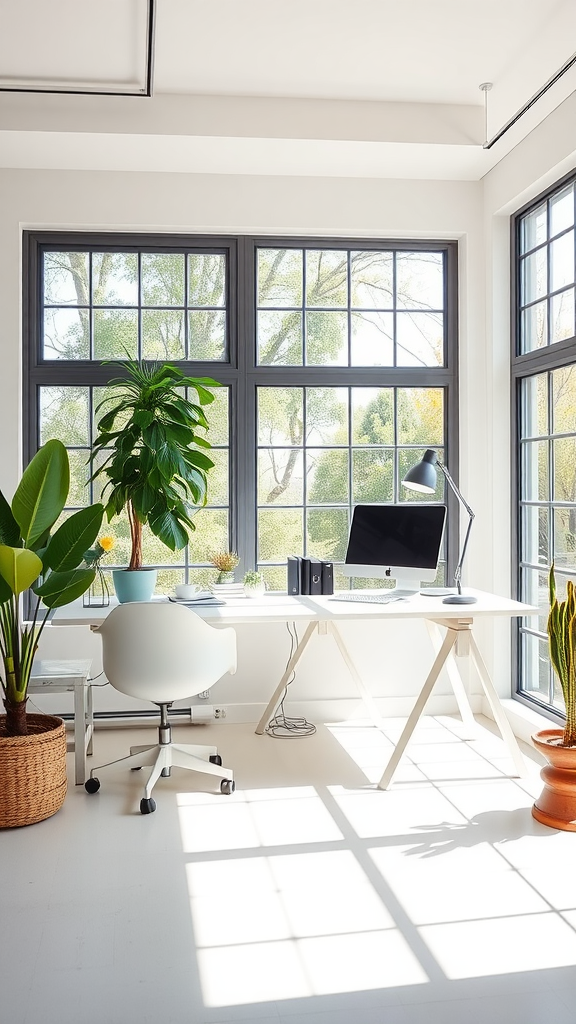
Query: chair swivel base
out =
(162, 758)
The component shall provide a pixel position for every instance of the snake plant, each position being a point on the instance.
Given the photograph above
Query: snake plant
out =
(561, 630)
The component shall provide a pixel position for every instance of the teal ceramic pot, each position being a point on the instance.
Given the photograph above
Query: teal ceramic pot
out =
(134, 584)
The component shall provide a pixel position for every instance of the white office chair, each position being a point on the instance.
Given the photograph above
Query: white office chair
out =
(162, 653)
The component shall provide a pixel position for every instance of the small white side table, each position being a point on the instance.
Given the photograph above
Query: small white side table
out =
(65, 677)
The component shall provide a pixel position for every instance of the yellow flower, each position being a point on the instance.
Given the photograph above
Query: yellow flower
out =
(107, 543)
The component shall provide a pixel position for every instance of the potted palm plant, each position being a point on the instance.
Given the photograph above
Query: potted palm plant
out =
(155, 463)
(556, 806)
(51, 565)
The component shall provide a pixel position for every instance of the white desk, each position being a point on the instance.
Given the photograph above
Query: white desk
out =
(65, 677)
(320, 614)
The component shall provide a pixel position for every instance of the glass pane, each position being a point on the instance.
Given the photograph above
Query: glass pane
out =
(115, 333)
(206, 279)
(275, 577)
(218, 477)
(533, 229)
(420, 280)
(420, 414)
(372, 280)
(562, 316)
(535, 479)
(217, 416)
(154, 552)
(565, 469)
(407, 458)
(207, 335)
(326, 475)
(372, 475)
(534, 590)
(562, 261)
(536, 669)
(419, 339)
(373, 416)
(326, 277)
(66, 278)
(372, 339)
(534, 327)
(326, 339)
(535, 405)
(327, 416)
(167, 579)
(162, 279)
(562, 210)
(533, 276)
(64, 415)
(115, 278)
(79, 493)
(280, 277)
(535, 535)
(565, 538)
(280, 416)
(280, 476)
(66, 334)
(327, 533)
(163, 334)
(564, 399)
(211, 534)
(279, 339)
(119, 528)
(280, 533)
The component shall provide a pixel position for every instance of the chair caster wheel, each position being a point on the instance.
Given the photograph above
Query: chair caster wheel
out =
(227, 786)
(215, 759)
(92, 785)
(147, 806)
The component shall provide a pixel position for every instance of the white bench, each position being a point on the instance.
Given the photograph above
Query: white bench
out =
(66, 677)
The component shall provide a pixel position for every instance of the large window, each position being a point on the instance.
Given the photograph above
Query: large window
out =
(544, 374)
(337, 360)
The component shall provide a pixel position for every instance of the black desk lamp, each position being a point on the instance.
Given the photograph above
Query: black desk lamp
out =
(422, 477)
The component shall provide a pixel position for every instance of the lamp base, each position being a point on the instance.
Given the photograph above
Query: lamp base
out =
(438, 591)
(459, 599)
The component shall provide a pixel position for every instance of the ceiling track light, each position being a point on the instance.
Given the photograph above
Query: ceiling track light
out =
(486, 86)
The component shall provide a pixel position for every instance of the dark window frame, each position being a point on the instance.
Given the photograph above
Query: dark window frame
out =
(550, 357)
(241, 372)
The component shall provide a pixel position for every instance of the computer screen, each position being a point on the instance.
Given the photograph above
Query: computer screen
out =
(400, 542)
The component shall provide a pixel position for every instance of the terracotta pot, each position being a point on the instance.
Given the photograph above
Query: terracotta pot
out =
(32, 771)
(556, 805)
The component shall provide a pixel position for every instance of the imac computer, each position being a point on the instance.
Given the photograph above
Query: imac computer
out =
(399, 542)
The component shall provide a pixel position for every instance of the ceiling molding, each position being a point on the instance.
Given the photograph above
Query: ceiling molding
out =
(86, 88)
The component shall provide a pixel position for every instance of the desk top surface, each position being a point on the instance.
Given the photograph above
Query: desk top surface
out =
(283, 608)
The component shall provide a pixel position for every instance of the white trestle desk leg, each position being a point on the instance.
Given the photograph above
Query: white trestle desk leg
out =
(439, 662)
(362, 689)
(497, 710)
(456, 680)
(277, 695)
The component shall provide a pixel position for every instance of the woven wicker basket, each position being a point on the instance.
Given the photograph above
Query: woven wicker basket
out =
(32, 771)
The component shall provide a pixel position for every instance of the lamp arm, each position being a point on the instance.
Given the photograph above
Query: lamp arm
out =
(458, 570)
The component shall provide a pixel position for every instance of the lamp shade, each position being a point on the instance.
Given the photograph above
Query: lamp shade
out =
(422, 476)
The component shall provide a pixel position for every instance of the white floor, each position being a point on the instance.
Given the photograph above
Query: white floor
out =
(307, 897)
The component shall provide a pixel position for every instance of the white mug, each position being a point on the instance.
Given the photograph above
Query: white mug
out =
(186, 590)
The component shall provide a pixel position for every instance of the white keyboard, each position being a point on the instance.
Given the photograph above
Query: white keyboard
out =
(369, 598)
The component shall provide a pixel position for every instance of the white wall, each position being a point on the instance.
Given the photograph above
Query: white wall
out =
(314, 207)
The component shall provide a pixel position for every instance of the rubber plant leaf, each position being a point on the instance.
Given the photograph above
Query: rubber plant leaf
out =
(76, 535)
(61, 588)
(19, 567)
(42, 491)
(166, 527)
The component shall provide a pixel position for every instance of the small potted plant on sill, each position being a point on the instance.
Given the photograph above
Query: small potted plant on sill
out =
(254, 584)
(225, 562)
(52, 567)
(155, 463)
(556, 805)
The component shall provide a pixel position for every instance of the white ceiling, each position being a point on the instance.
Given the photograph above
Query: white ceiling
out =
(378, 88)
